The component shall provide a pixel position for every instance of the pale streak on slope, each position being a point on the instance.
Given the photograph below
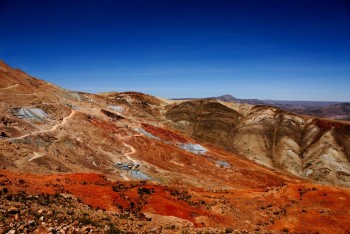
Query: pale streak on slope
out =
(20, 94)
(36, 155)
(127, 155)
(10, 87)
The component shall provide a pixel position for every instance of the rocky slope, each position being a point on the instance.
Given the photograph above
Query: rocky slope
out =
(90, 203)
(332, 110)
(313, 148)
(199, 159)
(336, 111)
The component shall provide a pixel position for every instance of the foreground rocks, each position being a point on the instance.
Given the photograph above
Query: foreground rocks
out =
(24, 213)
(90, 203)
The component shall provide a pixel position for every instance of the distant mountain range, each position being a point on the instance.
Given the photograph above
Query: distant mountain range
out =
(326, 109)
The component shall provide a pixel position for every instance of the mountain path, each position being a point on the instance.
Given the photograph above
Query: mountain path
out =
(10, 87)
(132, 149)
(64, 121)
(20, 94)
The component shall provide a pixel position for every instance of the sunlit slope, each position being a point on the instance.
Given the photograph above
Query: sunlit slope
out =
(304, 146)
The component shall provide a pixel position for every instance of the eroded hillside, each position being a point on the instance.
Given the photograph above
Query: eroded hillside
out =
(313, 148)
(166, 166)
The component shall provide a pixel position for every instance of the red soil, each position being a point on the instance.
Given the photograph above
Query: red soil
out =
(327, 124)
(165, 134)
(96, 191)
(293, 207)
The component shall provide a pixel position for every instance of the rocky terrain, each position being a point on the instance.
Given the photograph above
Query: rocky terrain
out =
(91, 203)
(308, 147)
(340, 111)
(75, 162)
(325, 109)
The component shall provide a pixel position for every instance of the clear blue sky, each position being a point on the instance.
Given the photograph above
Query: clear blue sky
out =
(285, 49)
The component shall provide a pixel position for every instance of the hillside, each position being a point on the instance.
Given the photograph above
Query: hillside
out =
(314, 148)
(137, 163)
(331, 110)
(339, 111)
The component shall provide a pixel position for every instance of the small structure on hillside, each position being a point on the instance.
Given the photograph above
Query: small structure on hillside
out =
(127, 166)
(133, 170)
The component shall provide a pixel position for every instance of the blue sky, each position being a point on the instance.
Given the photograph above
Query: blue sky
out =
(265, 49)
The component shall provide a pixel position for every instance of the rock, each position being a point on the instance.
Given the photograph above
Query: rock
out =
(67, 196)
(40, 211)
(32, 223)
(21, 228)
(12, 210)
(31, 113)
(41, 218)
(86, 230)
(11, 232)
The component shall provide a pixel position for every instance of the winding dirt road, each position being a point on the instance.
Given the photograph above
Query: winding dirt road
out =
(64, 121)
(10, 87)
(132, 151)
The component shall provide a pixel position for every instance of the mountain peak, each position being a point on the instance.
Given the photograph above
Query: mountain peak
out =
(226, 98)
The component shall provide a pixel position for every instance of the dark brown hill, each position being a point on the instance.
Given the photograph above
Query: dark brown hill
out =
(208, 121)
(307, 147)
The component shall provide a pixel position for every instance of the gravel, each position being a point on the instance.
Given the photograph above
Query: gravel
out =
(147, 134)
(31, 113)
(139, 175)
(193, 148)
(116, 108)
